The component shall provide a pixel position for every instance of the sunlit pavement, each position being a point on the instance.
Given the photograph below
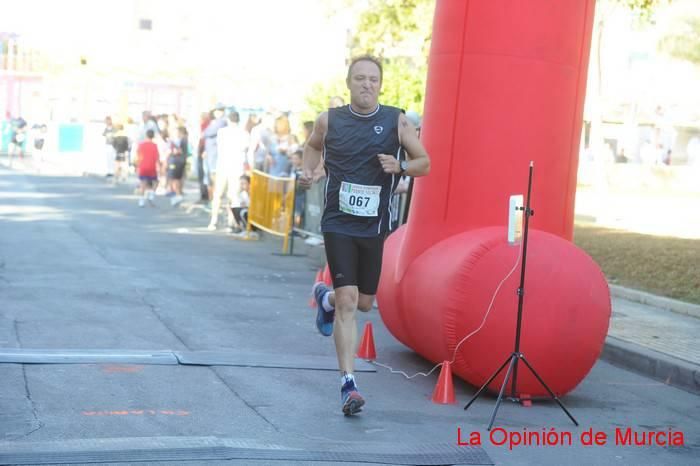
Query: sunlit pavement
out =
(82, 267)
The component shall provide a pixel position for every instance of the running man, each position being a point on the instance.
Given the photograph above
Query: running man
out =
(363, 149)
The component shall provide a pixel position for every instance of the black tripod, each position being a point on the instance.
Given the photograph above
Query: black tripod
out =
(512, 360)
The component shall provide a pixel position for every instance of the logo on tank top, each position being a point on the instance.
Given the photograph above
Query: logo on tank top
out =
(378, 129)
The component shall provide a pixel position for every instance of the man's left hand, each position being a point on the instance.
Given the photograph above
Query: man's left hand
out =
(390, 164)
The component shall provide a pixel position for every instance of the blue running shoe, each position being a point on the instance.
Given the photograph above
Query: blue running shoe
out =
(324, 319)
(351, 398)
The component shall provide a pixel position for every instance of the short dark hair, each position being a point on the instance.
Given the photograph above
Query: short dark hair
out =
(245, 177)
(234, 117)
(150, 134)
(368, 58)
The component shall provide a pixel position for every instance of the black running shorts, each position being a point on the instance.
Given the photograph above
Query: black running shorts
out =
(355, 261)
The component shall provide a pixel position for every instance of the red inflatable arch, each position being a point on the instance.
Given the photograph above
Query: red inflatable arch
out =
(506, 85)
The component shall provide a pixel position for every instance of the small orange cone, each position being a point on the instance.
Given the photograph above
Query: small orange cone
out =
(327, 276)
(444, 392)
(366, 350)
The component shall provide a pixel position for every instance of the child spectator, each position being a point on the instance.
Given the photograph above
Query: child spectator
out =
(148, 159)
(241, 213)
(122, 146)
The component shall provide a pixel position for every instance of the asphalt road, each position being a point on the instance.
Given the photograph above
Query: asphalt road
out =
(82, 267)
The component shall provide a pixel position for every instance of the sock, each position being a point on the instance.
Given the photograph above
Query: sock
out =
(325, 302)
(347, 377)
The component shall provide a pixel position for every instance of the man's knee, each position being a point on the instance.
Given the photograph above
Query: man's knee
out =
(365, 302)
(345, 299)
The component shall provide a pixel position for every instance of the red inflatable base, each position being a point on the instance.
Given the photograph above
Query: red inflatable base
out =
(443, 295)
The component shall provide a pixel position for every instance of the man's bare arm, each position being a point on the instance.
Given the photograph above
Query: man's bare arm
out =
(418, 160)
(313, 149)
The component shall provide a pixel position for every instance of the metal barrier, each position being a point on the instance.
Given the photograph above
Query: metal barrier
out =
(309, 210)
(272, 205)
(278, 207)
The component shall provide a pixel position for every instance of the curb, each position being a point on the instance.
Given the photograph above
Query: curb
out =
(679, 307)
(658, 366)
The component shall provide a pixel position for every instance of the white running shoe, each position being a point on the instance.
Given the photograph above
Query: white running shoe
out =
(142, 202)
(313, 241)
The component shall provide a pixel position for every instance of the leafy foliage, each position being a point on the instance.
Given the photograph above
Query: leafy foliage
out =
(685, 44)
(321, 93)
(645, 8)
(398, 32)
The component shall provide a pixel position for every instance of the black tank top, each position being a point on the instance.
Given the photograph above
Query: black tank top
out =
(350, 150)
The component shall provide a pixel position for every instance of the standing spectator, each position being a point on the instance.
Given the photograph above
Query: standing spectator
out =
(211, 150)
(232, 141)
(18, 137)
(147, 168)
(122, 146)
(108, 134)
(299, 192)
(176, 164)
(308, 128)
(39, 141)
(261, 142)
(204, 121)
(251, 123)
(162, 140)
(284, 142)
(148, 122)
(336, 101)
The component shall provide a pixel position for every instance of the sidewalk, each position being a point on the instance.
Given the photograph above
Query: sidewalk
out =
(657, 342)
(648, 334)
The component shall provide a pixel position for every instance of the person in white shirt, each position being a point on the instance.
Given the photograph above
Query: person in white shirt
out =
(232, 141)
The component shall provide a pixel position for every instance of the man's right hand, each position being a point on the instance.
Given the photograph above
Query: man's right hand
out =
(305, 181)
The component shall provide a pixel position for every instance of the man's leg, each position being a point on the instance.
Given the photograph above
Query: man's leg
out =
(231, 195)
(339, 307)
(219, 189)
(143, 187)
(344, 299)
(201, 177)
(212, 183)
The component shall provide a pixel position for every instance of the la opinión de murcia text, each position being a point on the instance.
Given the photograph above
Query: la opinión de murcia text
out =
(551, 437)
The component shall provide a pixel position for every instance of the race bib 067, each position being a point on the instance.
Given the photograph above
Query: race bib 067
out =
(359, 199)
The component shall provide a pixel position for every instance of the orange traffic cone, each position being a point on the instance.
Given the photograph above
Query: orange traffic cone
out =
(366, 349)
(444, 392)
(319, 278)
(327, 276)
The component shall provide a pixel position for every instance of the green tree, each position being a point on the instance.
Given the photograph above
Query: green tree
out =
(684, 44)
(644, 8)
(321, 92)
(398, 32)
